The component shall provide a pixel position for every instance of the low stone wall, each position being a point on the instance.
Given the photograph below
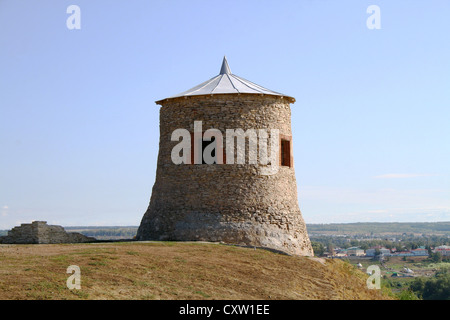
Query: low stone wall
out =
(38, 232)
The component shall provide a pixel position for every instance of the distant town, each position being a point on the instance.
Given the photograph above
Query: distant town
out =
(379, 251)
(414, 258)
(381, 240)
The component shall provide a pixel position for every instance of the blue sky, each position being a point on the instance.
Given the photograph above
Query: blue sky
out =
(79, 127)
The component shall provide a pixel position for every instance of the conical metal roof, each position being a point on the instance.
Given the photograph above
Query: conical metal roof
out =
(227, 83)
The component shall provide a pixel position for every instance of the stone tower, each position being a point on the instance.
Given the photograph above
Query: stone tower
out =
(252, 203)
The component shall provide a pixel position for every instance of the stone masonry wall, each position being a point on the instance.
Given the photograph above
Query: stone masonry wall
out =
(39, 232)
(232, 203)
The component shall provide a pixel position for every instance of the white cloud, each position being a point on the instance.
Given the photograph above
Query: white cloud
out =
(402, 175)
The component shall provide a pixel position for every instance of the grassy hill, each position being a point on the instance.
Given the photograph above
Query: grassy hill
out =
(174, 270)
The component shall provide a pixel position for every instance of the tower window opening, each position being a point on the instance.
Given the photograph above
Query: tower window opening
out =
(285, 153)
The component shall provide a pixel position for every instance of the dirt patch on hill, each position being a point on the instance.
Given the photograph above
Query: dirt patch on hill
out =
(174, 270)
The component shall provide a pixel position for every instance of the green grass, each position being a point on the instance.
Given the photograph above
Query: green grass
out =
(204, 295)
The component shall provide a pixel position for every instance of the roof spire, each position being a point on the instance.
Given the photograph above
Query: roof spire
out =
(225, 68)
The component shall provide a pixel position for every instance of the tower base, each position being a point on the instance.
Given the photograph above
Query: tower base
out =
(212, 228)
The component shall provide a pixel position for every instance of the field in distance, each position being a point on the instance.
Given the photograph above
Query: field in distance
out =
(382, 228)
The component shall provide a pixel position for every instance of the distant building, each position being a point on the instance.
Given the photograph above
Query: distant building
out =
(419, 252)
(383, 251)
(341, 253)
(404, 254)
(355, 251)
(443, 250)
(337, 253)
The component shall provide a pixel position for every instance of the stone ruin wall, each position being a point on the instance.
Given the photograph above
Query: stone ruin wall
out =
(229, 203)
(38, 232)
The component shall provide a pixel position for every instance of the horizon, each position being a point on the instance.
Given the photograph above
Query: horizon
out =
(325, 223)
(79, 129)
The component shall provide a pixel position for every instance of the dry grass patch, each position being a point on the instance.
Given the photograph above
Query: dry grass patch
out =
(173, 270)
